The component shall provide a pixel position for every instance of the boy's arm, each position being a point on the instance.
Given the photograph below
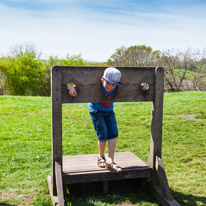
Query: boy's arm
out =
(72, 91)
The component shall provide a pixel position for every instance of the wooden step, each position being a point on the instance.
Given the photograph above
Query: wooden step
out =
(83, 168)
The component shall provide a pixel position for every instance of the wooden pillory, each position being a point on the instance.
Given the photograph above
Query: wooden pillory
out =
(83, 168)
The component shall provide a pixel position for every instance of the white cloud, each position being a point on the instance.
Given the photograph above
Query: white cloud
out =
(97, 33)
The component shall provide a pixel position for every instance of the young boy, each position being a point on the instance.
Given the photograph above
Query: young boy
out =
(103, 118)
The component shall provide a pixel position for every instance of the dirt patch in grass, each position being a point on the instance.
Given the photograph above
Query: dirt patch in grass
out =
(10, 196)
(189, 116)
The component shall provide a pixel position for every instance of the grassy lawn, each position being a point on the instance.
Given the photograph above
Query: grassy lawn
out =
(25, 149)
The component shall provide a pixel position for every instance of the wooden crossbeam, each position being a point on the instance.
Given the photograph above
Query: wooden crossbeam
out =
(87, 81)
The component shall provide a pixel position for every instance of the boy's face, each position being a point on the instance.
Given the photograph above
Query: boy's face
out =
(108, 85)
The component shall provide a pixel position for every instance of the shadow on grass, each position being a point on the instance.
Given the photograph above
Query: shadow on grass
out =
(122, 192)
(125, 192)
(189, 200)
(2, 204)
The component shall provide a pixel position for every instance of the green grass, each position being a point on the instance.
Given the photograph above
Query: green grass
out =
(25, 149)
(201, 116)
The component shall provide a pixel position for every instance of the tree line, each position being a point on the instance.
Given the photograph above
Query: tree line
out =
(23, 72)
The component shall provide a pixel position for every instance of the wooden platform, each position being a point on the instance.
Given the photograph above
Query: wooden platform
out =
(83, 168)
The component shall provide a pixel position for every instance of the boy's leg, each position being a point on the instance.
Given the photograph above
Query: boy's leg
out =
(101, 148)
(101, 161)
(111, 165)
(112, 135)
(111, 149)
(101, 130)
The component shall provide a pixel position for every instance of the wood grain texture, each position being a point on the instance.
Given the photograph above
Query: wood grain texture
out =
(59, 184)
(93, 93)
(157, 192)
(56, 121)
(156, 122)
(92, 75)
(83, 168)
(87, 81)
(163, 179)
(50, 185)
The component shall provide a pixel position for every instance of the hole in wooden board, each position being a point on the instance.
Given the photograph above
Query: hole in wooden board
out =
(70, 84)
(144, 86)
(72, 89)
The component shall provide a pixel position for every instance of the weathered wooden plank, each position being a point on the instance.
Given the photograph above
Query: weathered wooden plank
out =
(105, 187)
(56, 121)
(92, 75)
(87, 80)
(102, 170)
(163, 179)
(93, 167)
(144, 183)
(59, 184)
(104, 175)
(50, 185)
(93, 93)
(119, 155)
(91, 160)
(93, 164)
(156, 122)
(81, 163)
(83, 168)
(124, 163)
(157, 192)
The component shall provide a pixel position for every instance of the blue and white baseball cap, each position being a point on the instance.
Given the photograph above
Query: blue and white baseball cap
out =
(112, 75)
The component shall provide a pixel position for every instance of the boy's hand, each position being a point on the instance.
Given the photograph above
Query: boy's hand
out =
(72, 91)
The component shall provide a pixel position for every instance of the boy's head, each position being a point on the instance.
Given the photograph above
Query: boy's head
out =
(111, 78)
(112, 75)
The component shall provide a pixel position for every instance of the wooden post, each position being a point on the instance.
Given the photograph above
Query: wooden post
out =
(156, 123)
(163, 179)
(105, 187)
(56, 87)
(59, 184)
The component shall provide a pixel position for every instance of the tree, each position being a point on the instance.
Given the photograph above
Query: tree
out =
(72, 60)
(184, 70)
(138, 55)
(24, 71)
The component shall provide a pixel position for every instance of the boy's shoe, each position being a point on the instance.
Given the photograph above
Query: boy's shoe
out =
(101, 162)
(113, 167)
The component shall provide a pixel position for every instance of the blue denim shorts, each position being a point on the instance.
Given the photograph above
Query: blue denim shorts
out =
(105, 125)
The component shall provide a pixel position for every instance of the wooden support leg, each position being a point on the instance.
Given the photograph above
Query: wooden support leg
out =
(163, 192)
(50, 184)
(143, 183)
(59, 184)
(157, 192)
(105, 187)
(65, 188)
(163, 179)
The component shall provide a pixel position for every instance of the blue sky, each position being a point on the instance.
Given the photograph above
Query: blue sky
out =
(97, 28)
